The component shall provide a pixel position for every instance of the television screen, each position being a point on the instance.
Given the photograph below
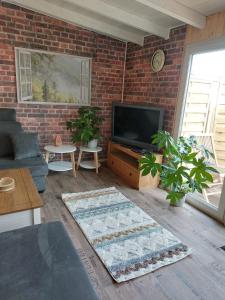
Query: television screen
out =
(135, 125)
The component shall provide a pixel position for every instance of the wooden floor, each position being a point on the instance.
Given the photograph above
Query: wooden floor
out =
(200, 276)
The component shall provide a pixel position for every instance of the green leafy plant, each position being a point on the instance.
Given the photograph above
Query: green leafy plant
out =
(87, 126)
(185, 168)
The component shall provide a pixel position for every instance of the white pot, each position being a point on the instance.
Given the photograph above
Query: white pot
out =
(93, 144)
(180, 203)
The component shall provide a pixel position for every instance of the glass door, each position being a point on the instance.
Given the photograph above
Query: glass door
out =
(202, 114)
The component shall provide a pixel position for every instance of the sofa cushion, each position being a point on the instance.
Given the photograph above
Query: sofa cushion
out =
(6, 130)
(40, 263)
(37, 165)
(7, 114)
(25, 145)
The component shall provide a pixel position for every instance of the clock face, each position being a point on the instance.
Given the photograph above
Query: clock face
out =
(158, 60)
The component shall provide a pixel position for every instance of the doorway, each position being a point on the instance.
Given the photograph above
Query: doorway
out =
(202, 114)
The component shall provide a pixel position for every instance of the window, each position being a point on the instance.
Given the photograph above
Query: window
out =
(25, 87)
(85, 81)
(45, 77)
(200, 112)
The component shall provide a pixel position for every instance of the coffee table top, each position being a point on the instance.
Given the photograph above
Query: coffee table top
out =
(60, 149)
(25, 195)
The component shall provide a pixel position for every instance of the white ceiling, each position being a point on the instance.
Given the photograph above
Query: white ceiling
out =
(128, 20)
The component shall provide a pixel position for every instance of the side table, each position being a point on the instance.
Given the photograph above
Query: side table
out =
(61, 165)
(89, 164)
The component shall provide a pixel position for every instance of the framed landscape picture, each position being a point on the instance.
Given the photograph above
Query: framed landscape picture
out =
(46, 77)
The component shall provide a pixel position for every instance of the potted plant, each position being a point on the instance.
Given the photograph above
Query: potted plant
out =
(86, 128)
(185, 168)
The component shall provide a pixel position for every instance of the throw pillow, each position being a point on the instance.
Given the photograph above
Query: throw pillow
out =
(25, 145)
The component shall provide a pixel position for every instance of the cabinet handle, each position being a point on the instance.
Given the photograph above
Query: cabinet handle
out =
(130, 174)
(112, 162)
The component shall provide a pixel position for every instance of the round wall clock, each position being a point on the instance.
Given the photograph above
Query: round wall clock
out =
(158, 60)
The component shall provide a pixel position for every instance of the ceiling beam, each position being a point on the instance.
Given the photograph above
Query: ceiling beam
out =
(114, 13)
(177, 11)
(73, 17)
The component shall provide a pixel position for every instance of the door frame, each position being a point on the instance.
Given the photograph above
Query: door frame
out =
(190, 50)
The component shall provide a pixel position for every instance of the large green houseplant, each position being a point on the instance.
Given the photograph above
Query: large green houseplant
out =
(185, 168)
(86, 128)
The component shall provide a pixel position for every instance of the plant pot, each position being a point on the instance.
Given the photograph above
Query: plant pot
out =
(93, 144)
(179, 203)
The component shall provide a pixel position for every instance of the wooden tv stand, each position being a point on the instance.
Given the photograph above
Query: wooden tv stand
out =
(125, 163)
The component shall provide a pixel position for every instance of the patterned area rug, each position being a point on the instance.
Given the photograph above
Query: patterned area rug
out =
(128, 241)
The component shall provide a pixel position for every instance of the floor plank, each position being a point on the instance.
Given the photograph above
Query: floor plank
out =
(200, 276)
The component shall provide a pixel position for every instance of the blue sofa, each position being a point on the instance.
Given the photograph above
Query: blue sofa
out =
(37, 165)
(40, 263)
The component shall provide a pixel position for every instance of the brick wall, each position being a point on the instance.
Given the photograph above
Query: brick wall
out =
(158, 89)
(23, 28)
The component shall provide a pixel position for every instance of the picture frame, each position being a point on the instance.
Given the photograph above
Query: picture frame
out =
(45, 77)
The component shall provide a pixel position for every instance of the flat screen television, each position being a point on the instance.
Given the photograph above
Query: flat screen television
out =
(134, 125)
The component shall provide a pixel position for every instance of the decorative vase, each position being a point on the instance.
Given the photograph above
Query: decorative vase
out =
(58, 140)
(179, 203)
(93, 144)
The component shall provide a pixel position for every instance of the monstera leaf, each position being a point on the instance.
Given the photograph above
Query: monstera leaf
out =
(185, 168)
(148, 165)
(165, 141)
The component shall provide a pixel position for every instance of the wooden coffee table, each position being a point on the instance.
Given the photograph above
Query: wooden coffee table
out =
(21, 206)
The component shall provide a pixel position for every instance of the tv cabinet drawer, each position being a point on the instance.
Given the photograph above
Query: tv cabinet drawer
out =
(121, 165)
(130, 177)
(126, 172)
(125, 163)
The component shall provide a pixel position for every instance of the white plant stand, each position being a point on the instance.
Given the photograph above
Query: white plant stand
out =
(87, 164)
(61, 165)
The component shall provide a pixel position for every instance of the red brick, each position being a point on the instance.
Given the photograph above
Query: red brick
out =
(161, 89)
(24, 28)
